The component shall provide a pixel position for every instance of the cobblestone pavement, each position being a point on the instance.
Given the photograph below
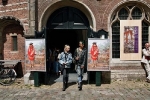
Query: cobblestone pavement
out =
(117, 90)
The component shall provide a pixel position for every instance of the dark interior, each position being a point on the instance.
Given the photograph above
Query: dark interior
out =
(57, 38)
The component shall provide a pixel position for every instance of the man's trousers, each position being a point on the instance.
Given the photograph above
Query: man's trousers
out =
(80, 72)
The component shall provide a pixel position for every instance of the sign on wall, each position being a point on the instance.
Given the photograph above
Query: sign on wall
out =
(130, 40)
(98, 54)
(35, 56)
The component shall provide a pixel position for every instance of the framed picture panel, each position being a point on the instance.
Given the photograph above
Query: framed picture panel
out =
(35, 55)
(98, 54)
(130, 40)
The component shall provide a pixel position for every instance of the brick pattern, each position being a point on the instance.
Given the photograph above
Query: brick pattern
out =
(101, 9)
(17, 9)
(8, 54)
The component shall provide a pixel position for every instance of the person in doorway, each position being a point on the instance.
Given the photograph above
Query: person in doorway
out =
(59, 63)
(80, 57)
(49, 59)
(65, 61)
(94, 54)
(55, 63)
(145, 60)
(31, 54)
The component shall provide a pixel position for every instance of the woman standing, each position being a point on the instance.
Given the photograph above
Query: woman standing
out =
(65, 61)
(31, 54)
(94, 54)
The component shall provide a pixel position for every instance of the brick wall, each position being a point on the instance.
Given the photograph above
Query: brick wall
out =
(8, 54)
(18, 9)
(98, 8)
(101, 9)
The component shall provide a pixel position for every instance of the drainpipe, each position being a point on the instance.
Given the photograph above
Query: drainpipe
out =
(32, 4)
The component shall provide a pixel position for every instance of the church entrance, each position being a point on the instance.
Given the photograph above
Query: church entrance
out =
(58, 38)
(66, 25)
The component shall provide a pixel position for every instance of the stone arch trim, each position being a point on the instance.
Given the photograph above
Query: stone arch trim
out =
(4, 21)
(113, 10)
(117, 6)
(121, 3)
(58, 4)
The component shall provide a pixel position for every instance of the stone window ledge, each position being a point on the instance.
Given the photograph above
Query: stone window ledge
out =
(14, 51)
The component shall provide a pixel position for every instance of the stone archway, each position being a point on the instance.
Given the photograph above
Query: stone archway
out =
(68, 25)
(71, 23)
(59, 4)
(4, 22)
(67, 18)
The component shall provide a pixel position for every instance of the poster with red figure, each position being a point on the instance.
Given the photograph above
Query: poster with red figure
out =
(35, 57)
(130, 40)
(98, 54)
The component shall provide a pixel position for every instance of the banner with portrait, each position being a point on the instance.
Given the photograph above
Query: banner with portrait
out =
(130, 40)
(98, 54)
(35, 56)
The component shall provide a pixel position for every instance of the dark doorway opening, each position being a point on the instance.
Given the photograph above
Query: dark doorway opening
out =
(57, 38)
(67, 25)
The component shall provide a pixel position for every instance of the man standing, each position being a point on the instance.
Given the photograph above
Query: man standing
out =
(49, 61)
(80, 57)
(55, 63)
(145, 60)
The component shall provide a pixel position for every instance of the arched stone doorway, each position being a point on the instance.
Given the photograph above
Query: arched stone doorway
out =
(61, 3)
(66, 25)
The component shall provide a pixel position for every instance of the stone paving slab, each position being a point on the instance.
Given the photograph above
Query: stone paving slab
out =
(72, 77)
(117, 90)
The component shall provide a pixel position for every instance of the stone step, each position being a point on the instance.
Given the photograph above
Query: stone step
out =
(72, 77)
(112, 75)
(28, 78)
(128, 74)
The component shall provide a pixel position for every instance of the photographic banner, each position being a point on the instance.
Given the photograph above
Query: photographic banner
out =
(98, 54)
(35, 56)
(130, 40)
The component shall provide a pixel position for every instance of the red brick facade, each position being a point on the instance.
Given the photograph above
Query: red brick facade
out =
(8, 53)
(100, 8)
(18, 9)
(14, 20)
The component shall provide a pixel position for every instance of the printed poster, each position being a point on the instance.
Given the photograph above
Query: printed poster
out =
(35, 56)
(130, 40)
(98, 54)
